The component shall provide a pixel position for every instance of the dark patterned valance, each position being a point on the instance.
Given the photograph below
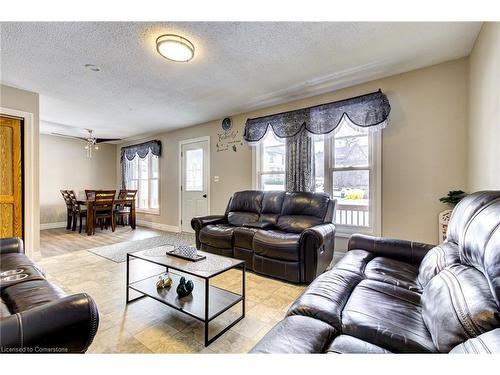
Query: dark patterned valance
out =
(363, 112)
(141, 149)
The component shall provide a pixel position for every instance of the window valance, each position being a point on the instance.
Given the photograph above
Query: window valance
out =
(369, 111)
(141, 149)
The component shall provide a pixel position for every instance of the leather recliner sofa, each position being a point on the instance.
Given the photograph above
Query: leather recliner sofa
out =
(289, 236)
(394, 296)
(35, 315)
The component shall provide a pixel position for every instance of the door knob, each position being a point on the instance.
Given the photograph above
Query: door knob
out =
(204, 195)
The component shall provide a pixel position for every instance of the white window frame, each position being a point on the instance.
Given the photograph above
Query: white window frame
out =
(150, 179)
(375, 177)
(257, 167)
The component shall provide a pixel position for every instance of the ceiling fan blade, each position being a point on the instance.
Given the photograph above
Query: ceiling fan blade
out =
(101, 140)
(69, 136)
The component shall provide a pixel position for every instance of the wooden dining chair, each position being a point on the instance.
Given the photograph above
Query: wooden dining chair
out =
(123, 210)
(104, 204)
(78, 212)
(69, 208)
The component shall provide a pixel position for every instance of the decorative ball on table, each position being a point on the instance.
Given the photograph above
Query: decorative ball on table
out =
(185, 287)
(164, 281)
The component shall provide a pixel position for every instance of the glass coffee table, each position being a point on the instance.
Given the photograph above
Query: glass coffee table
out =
(206, 302)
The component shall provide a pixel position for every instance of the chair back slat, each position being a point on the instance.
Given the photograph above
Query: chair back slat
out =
(74, 201)
(104, 200)
(67, 199)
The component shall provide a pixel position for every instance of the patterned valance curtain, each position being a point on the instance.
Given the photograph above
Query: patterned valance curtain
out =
(299, 165)
(365, 112)
(141, 150)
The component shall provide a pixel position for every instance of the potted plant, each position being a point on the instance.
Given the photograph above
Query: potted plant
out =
(452, 199)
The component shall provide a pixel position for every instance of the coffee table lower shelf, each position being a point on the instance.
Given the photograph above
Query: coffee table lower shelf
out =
(193, 305)
(205, 303)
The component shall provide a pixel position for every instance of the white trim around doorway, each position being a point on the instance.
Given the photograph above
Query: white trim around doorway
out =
(181, 143)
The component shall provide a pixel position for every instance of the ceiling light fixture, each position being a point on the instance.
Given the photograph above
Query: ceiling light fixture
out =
(175, 47)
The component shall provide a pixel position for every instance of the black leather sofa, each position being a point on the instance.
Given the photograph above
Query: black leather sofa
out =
(35, 315)
(394, 296)
(284, 235)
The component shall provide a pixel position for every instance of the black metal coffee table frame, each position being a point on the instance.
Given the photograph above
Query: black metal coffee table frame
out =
(221, 301)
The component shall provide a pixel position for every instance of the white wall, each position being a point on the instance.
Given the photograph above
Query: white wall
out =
(64, 165)
(484, 115)
(423, 150)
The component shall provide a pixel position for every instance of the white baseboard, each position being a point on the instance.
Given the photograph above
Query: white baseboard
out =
(61, 224)
(164, 227)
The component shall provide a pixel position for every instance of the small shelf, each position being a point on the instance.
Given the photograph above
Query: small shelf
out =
(220, 300)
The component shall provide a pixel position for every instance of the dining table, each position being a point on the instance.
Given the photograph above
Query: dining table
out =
(90, 211)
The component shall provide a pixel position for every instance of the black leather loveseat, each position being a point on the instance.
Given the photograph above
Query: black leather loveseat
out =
(403, 297)
(284, 235)
(35, 315)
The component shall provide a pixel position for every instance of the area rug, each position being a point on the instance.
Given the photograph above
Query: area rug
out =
(118, 251)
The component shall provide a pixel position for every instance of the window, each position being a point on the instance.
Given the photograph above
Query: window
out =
(347, 167)
(194, 170)
(143, 175)
(271, 163)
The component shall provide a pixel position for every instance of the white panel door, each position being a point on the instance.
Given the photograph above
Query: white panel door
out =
(194, 182)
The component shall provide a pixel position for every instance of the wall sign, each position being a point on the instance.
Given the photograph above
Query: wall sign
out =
(228, 138)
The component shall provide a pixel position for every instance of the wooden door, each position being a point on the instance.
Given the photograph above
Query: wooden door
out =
(11, 184)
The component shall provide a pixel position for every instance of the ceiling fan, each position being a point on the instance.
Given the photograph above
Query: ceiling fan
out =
(90, 142)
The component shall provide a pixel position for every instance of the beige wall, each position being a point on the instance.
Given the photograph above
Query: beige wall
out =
(423, 150)
(64, 165)
(484, 116)
(27, 101)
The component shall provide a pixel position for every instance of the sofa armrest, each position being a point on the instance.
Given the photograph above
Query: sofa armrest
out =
(317, 245)
(406, 251)
(11, 245)
(67, 325)
(197, 223)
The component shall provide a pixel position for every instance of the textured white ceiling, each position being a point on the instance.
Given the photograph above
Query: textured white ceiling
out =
(237, 67)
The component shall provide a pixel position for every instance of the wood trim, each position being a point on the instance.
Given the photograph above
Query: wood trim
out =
(12, 223)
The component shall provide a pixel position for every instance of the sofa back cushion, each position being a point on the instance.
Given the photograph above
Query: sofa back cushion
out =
(245, 207)
(302, 210)
(465, 211)
(479, 246)
(457, 304)
(272, 201)
(436, 260)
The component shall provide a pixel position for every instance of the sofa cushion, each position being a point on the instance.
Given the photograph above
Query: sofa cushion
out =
(276, 244)
(345, 344)
(486, 343)
(457, 305)
(243, 237)
(326, 296)
(245, 207)
(296, 334)
(240, 218)
(297, 223)
(15, 260)
(27, 295)
(393, 272)
(272, 203)
(436, 260)
(219, 235)
(387, 316)
(302, 210)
